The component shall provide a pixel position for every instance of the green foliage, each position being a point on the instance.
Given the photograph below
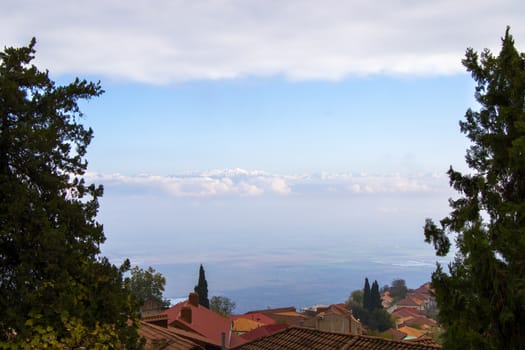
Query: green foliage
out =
(49, 237)
(78, 336)
(356, 297)
(398, 290)
(373, 316)
(222, 305)
(376, 320)
(371, 296)
(147, 284)
(482, 297)
(202, 289)
(367, 297)
(375, 297)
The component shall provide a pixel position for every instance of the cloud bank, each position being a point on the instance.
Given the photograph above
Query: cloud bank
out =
(245, 183)
(170, 41)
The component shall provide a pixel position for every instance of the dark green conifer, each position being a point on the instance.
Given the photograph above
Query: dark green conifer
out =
(54, 285)
(481, 299)
(375, 297)
(202, 289)
(367, 297)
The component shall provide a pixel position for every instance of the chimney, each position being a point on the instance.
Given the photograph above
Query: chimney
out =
(194, 299)
(185, 314)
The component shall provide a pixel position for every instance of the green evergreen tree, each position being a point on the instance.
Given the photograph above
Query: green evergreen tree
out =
(52, 280)
(481, 299)
(202, 289)
(375, 297)
(367, 297)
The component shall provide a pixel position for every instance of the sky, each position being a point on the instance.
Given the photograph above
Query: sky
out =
(251, 135)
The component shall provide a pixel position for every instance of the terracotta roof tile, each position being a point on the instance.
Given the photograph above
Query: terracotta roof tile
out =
(159, 337)
(255, 316)
(297, 338)
(412, 332)
(203, 321)
(245, 325)
(426, 340)
(263, 331)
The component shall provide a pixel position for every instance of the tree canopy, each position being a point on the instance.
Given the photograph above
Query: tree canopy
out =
(53, 281)
(398, 290)
(147, 284)
(481, 299)
(366, 306)
(222, 305)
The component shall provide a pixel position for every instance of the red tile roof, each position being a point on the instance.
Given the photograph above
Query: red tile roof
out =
(297, 338)
(263, 331)
(424, 340)
(203, 321)
(255, 316)
(406, 311)
(410, 302)
(161, 338)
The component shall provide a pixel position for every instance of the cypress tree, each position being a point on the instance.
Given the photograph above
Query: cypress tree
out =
(367, 297)
(202, 289)
(375, 297)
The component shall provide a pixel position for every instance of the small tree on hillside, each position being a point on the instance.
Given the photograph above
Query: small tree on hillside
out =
(399, 289)
(202, 289)
(374, 316)
(147, 284)
(222, 305)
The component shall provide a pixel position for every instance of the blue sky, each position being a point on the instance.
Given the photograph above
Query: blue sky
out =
(262, 133)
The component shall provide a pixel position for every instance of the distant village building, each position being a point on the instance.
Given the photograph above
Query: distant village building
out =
(334, 318)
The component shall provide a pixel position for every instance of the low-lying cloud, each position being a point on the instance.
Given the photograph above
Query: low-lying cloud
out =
(246, 183)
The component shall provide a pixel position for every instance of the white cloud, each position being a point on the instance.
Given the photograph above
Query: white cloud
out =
(177, 40)
(245, 183)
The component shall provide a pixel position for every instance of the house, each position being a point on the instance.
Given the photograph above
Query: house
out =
(263, 331)
(300, 338)
(284, 315)
(412, 333)
(242, 325)
(158, 337)
(412, 303)
(386, 300)
(334, 318)
(248, 322)
(196, 320)
(151, 307)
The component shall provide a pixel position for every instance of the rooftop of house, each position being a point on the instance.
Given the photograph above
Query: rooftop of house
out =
(255, 316)
(245, 325)
(405, 311)
(158, 337)
(272, 311)
(263, 331)
(412, 332)
(190, 316)
(298, 338)
(410, 301)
